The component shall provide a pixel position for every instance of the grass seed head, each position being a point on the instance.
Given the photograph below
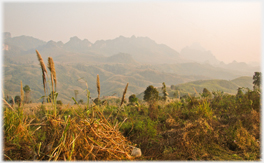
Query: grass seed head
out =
(51, 67)
(44, 70)
(43, 67)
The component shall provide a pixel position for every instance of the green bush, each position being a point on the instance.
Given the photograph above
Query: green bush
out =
(59, 102)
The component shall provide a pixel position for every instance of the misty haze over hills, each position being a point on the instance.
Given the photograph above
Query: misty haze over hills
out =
(137, 60)
(140, 48)
(197, 53)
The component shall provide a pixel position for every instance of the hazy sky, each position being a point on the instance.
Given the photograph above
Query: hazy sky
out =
(230, 30)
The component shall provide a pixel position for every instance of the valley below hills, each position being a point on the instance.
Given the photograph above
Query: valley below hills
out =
(138, 61)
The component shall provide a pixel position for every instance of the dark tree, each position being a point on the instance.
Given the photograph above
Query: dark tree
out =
(27, 90)
(97, 101)
(257, 80)
(132, 98)
(206, 93)
(239, 93)
(173, 87)
(164, 91)
(176, 94)
(59, 102)
(151, 94)
(17, 99)
(80, 101)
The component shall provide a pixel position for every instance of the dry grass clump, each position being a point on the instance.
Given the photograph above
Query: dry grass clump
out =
(69, 138)
(191, 142)
(208, 139)
(251, 122)
(42, 135)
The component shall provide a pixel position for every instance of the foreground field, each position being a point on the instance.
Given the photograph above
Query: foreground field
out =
(223, 127)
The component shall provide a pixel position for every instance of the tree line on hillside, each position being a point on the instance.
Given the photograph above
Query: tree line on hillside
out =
(151, 94)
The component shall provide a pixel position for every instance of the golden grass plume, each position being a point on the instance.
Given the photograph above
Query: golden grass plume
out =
(43, 68)
(51, 67)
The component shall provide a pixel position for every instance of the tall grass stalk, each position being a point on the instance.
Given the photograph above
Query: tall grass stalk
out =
(7, 104)
(54, 95)
(21, 93)
(98, 86)
(122, 101)
(51, 67)
(44, 72)
(124, 94)
(87, 93)
(196, 92)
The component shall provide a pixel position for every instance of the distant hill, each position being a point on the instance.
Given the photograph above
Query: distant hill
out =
(212, 85)
(138, 61)
(113, 78)
(121, 58)
(244, 81)
(141, 49)
(77, 45)
(197, 53)
(205, 70)
(23, 42)
(239, 66)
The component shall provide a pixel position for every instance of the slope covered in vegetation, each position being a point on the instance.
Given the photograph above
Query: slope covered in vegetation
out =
(224, 127)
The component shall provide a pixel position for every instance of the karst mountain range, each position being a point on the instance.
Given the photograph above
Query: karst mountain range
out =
(138, 61)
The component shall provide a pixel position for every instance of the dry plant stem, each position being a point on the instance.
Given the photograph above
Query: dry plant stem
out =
(122, 123)
(13, 101)
(110, 115)
(52, 84)
(8, 157)
(3, 95)
(51, 67)
(196, 92)
(102, 116)
(124, 94)
(116, 114)
(98, 86)
(122, 101)
(22, 93)
(7, 104)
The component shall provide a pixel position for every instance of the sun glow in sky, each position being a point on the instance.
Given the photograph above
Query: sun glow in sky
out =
(230, 30)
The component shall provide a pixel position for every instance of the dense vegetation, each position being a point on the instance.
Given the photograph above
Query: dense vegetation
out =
(208, 126)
